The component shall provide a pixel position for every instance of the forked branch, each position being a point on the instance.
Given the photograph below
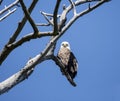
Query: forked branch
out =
(48, 52)
(6, 51)
(27, 14)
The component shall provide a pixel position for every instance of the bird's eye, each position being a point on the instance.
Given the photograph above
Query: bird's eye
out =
(66, 44)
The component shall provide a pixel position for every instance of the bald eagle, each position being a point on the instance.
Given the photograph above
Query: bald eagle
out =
(68, 59)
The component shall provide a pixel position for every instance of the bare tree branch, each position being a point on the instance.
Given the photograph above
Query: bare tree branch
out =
(15, 79)
(50, 21)
(91, 8)
(55, 17)
(9, 7)
(48, 52)
(28, 16)
(30, 65)
(76, 3)
(42, 24)
(46, 14)
(27, 70)
(74, 9)
(1, 2)
(22, 23)
(5, 52)
(9, 13)
(28, 38)
(63, 19)
(75, 17)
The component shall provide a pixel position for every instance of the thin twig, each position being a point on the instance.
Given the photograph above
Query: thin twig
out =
(42, 24)
(77, 3)
(9, 13)
(9, 7)
(91, 8)
(50, 21)
(46, 15)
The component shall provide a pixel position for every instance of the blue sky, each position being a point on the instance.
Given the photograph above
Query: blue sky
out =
(95, 41)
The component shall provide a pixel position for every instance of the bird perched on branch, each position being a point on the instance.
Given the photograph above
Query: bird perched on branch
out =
(68, 59)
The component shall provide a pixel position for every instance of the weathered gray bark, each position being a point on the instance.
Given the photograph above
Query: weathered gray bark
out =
(60, 25)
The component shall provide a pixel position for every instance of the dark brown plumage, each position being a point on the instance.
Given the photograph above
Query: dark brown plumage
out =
(68, 59)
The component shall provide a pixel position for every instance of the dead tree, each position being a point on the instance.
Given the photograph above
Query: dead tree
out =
(60, 25)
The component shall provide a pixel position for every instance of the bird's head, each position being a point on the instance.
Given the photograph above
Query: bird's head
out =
(65, 44)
